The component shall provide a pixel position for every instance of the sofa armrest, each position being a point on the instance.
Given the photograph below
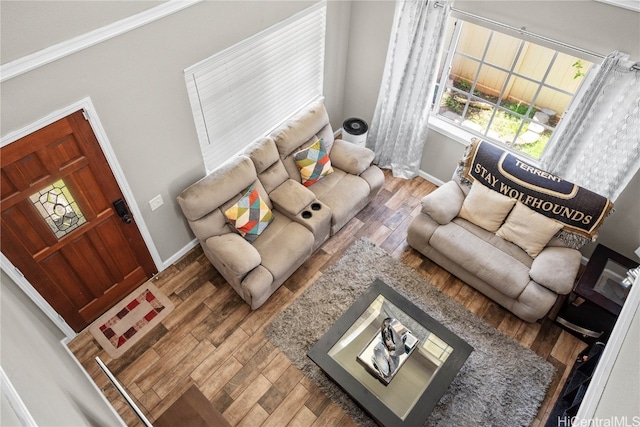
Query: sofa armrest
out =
(556, 268)
(443, 204)
(291, 197)
(350, 158)
(235, 253)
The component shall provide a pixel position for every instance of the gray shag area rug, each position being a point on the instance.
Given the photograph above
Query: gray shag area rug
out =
(500, 384)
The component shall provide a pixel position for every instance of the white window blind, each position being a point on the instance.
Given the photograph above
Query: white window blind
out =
(247, 90)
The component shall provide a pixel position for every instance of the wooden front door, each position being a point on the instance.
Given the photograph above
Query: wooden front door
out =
(60, 227)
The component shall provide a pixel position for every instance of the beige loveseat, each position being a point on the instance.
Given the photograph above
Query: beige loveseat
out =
(497, 244)
(297, 218)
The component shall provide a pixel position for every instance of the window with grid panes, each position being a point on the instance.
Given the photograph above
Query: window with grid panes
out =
(505, 89)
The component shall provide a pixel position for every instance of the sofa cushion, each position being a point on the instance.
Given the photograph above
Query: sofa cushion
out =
(214, 224)
(420, 231)
(235, 254)
(250, 215)
(284, 246)
(258, 286)
(343, 193)
(266, 159)
(351, 158)
(272, 177)
(326, 134)
(313, 120)
(291, 197)
(486, 208)
(528, 229)
(444, 203)
(534, 302)
(217, 188)
(375, 178)
(313, 162)
(556, 268)
(481, 258)
(263, 153)
(511, 249)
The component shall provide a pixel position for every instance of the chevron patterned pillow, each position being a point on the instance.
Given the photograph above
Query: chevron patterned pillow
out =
(313, 162)
(250, 215)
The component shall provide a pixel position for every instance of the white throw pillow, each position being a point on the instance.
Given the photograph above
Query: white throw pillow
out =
(486, 208)
(528, 229)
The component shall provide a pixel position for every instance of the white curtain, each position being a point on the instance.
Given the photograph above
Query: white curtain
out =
(598, 146)
(399, 127)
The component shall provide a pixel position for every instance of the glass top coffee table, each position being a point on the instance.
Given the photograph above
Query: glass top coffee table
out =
(415, 379)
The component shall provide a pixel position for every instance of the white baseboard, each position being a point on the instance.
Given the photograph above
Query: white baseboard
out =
(182, 252)
(430, 178)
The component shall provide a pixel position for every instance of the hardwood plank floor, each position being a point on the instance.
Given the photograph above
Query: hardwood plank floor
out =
(213, 340)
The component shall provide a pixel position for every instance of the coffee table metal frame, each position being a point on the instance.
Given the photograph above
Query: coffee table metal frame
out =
(377, 409)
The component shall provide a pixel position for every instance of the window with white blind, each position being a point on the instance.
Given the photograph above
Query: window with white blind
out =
(242, 93)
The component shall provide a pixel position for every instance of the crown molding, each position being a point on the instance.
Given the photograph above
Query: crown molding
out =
(68, 47)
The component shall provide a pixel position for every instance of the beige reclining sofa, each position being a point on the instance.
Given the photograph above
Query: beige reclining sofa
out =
(291, 219)
(493, 226)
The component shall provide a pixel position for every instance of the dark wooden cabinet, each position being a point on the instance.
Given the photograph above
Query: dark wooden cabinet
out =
(598, 296)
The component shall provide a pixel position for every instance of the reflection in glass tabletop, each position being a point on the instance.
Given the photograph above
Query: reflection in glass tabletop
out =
(421, 379)
(610, 282)
(416, 373)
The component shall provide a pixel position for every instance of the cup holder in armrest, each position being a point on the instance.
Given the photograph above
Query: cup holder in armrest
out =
(316, 206)
(306, 214)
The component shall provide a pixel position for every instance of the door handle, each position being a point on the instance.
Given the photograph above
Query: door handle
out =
(121, 210)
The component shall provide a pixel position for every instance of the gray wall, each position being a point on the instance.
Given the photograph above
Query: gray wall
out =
(137, 85)
(590, 25)
(369, 32)
(48, 23)
(53, 388)
(8, 416)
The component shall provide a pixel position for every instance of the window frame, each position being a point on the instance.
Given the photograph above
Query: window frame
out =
(463, 134)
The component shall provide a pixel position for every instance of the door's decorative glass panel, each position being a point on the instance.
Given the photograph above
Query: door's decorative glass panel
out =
(58, 208)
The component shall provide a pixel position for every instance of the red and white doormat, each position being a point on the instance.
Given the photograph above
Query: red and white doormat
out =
(128, 321)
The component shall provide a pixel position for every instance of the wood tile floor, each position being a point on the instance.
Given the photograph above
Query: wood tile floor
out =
(213, 340)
